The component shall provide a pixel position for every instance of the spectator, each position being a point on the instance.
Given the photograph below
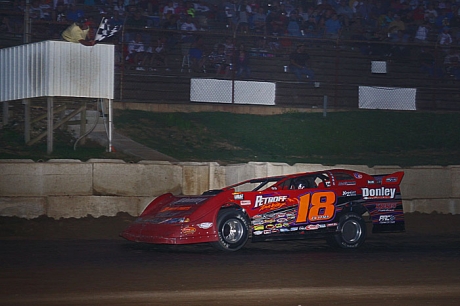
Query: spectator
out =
(310, 27)
(46, 10)
(59, 14)
(243, 11)
(155, 55)
(119, 6)
(332, 27)
(180, 10)
(218, 60)
(35, 11)
(445, 39)
(428, 64)
(74, 14)
(202, 8)
(11, 25)
(452, 64)
(168, 10)
(190, 27)
(78, 32)
(431, 14)
(395, 26)
(116, 19)
(231, 14)
(196, 53)
(421, 36)
(298, 63)
(136, 52)
(242, 63)
(294, 25)
(65, 3)
(345, 13)
(259, 21)
(229, 47)
(135, 22)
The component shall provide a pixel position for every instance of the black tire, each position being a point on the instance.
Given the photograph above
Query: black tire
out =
(351, 232)
(232, 229)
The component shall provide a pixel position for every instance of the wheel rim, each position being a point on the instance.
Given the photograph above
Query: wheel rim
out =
(351, 231)
(232, 231)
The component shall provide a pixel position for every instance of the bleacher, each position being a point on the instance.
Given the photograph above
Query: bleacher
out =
(339, 66)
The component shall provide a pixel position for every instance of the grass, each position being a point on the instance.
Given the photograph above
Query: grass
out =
(355, 137)
(358, 137)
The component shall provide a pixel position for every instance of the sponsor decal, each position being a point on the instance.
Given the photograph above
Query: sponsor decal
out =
(257, 233)
(175, 208)
(264, 200)
(259, 227)
(281, 220)
(331, 224)
(269, 226)
(280, 216)
(238, 196)
(245, 203)
(379, 193)
(204, 225)
(278, 225)
(267, 232)
(190, 200)
(275, 230)
(293, 229)
(385, 206)
(257, 222)
(347, 183)
(311, 227)
(189, 230)
(385, 219)
(350, 193)
(371, 182)
(286, 224)
(391, 179)
(284, 230)
(358, 175)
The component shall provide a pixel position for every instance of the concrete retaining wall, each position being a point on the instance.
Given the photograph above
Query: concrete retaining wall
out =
(71, 188)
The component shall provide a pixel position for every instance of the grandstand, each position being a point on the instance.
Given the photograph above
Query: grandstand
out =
(341, 65)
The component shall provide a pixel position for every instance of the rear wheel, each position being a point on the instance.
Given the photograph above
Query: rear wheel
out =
(351, 232)
(232, 229)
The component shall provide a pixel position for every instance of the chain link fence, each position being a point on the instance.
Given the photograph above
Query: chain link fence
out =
(355, 70)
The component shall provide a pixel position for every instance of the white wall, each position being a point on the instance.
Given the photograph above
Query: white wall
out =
(70, 188)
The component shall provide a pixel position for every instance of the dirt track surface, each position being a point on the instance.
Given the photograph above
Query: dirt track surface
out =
(84, 262)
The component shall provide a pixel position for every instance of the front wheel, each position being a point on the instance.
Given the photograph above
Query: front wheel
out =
(351, 232)
(232, 229)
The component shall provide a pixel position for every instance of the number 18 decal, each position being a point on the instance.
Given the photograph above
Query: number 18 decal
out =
(318, 206)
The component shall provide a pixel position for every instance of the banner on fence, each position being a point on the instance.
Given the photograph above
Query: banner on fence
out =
(220, 91)
(387, 98)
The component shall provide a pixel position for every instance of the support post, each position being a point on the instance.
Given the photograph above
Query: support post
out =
(110, 125)
(83, 122)
(5, 113)
(325, 106)
(27, 122)
(49, 138)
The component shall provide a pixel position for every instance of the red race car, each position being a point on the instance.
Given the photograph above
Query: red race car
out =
(325, 204)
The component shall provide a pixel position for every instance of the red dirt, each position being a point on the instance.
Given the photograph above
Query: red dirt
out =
(110, 227)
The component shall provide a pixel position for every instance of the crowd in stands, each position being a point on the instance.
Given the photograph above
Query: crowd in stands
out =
(393, 21)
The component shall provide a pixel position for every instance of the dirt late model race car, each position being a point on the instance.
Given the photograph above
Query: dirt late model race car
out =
(326, 204)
